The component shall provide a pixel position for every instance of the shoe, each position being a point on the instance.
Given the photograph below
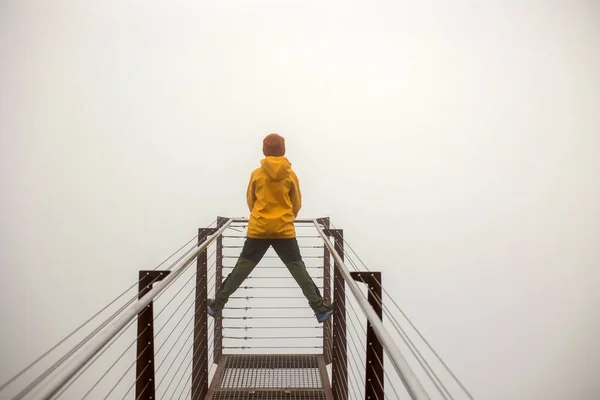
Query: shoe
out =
(211, 311)
(324, 315)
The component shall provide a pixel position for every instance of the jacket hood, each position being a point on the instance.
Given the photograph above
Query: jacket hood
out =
(277, 168)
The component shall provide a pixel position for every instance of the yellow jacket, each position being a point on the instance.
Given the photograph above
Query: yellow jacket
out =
(274, 200)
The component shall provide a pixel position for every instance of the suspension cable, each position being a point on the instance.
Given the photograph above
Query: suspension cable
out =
(191, 362)
(37, 360)
(155, 336)
(408, 341)
(411, 382)
(456, 379)
(178, 368)
(121, 333)
(57, 364)
(83, 370)
(176, 341)
(131, 366)
(100, 340)
(115, 363)
(417, 354)
(338, 360)
(364, 334)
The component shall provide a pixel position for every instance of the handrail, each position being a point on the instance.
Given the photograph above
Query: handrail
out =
(79, 360)
(297, 220)
(412, 384)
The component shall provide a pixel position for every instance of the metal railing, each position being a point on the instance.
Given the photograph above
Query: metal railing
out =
(58, 375)
(408, 377)
(357, 317)
(367, 340)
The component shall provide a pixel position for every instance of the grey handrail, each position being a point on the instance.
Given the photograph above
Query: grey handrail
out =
(55, 383)
(408, 377)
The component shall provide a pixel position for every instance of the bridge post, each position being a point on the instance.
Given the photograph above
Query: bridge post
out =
(374, 374)
(200, 344)
(218, 335)
(326, 295)
(144, 370)
(339, 367)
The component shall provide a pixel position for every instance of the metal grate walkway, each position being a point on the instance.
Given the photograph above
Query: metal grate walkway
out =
(270, 377)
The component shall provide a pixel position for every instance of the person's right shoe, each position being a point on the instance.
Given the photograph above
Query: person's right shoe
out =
(324, 315)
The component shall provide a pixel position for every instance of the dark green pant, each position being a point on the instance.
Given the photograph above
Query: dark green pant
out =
(253, 251)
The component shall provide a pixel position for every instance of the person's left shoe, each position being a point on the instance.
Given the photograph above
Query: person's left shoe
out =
(324, 315)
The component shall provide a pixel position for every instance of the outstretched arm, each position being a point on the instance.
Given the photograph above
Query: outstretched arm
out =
(295, 195)
(250, 193)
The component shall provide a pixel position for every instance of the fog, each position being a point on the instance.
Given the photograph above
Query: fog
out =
(456, 143)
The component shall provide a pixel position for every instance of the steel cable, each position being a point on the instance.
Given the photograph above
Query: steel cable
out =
(174, 312)
(355, 331)
(134, 383)
(411, 346)
(82, 371)
(183, 301)
(107, 347)
(365, 334)
(123, 376)
(179, 352)
(179, 337)
(37, 360)
(420, 358)
(345, 383)
(456, 379)
(84, 341)
(115, 363)
(209, 339)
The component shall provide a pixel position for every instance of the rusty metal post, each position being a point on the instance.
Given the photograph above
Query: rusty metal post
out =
(144, 370)
(200, 345)
(218, 335)
(339, 367)
(326, 295)
(374, 374)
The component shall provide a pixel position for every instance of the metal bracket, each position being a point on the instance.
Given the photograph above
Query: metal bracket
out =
(339, 352)
(145, 381)
(374, 374)
(200, 342)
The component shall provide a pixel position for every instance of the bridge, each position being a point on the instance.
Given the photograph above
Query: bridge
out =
(156, 341)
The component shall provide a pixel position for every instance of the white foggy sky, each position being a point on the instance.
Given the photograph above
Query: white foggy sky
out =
(456, 143)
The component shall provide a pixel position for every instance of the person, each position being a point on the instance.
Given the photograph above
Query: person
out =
(274, 200)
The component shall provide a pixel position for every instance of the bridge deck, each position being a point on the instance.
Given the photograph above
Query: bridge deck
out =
(270, 377)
